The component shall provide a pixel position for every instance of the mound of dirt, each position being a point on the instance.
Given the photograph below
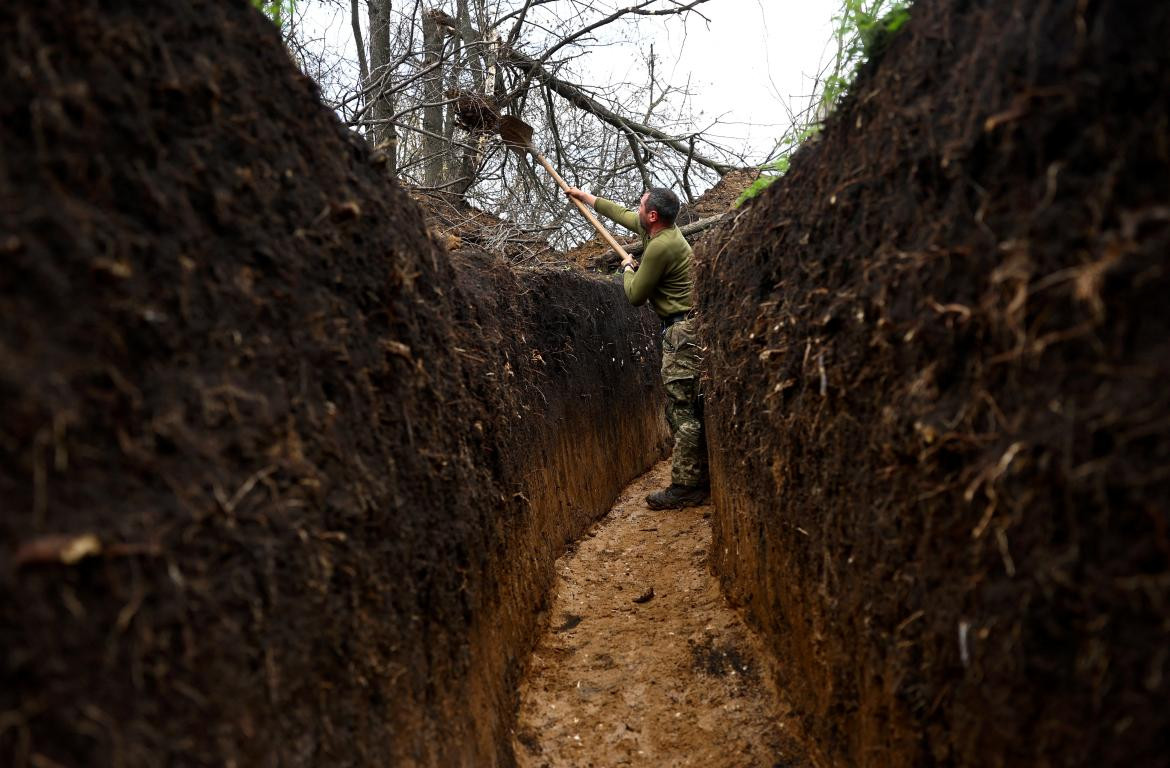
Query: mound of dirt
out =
(588, 255)
(938, 421)
(719, 198)
(279, 476)
(458, 224)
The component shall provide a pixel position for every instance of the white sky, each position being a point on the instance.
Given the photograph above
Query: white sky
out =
(754, 61)
(748, 66)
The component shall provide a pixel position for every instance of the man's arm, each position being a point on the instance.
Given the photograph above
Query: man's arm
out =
(583, 196)
(639, 285)
(609, 209)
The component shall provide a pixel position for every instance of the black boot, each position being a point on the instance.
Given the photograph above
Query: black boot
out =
(677, 497)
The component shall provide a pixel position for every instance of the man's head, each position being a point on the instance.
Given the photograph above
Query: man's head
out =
(658, 209)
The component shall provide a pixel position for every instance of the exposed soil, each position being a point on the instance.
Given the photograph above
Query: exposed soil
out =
(282, 482)
(588, 254)
(719, 198)
(457, 225)
(938, 415)
(644, 662)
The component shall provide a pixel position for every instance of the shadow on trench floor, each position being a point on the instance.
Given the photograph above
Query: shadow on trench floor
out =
(643, 662)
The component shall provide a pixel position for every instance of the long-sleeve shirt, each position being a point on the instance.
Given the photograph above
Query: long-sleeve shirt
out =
(664, 275)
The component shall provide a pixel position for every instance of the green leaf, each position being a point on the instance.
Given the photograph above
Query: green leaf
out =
(863, 29)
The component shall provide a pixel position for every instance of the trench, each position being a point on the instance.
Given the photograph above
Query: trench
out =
(642, 661)
(283, 482)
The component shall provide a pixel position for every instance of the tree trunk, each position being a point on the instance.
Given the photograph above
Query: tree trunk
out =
(480, 56)
(433, 144)
(377, 84)
(355, 21)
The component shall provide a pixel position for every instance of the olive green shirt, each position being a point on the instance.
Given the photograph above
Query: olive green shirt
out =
(664, 275)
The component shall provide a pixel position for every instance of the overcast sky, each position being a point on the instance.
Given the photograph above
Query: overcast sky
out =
(752, 59)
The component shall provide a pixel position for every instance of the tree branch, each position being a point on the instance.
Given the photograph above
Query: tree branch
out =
(582, 100)
(633, 10)
(535, 70)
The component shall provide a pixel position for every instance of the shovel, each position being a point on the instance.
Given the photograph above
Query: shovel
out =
(517, 134)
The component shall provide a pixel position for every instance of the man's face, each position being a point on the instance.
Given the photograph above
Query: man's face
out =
(646, 216)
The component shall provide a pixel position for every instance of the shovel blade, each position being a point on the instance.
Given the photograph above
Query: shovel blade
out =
(516, 133)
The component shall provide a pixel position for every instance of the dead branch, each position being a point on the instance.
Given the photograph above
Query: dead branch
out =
(582, 100)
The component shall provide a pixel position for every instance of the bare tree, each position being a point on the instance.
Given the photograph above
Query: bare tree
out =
(376, 88)
(439, 73)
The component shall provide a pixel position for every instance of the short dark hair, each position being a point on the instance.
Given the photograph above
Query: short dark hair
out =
(665, 202)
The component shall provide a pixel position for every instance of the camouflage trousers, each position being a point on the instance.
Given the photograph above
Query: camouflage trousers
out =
(680, 377)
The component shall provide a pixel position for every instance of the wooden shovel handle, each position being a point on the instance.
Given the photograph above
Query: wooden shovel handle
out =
(582, 207)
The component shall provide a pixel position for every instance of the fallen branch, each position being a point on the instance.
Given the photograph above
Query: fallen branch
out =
(535, 70)
(582, 100)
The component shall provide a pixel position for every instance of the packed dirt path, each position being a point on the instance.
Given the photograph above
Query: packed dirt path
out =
(621, 677)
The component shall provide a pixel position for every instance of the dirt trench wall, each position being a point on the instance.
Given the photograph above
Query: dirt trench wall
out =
(937, 355)
(281, 482)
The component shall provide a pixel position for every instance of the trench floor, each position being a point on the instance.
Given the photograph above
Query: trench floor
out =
(674, 680)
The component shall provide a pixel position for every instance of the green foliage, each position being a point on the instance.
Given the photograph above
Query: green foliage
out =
(863, 29)
(769, 172)
(280, 11)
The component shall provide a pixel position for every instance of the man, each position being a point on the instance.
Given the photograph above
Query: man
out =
(664, 279)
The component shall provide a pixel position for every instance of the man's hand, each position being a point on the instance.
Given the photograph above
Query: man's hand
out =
(582, 195)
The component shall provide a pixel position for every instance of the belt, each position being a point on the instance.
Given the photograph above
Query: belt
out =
(670, 320)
